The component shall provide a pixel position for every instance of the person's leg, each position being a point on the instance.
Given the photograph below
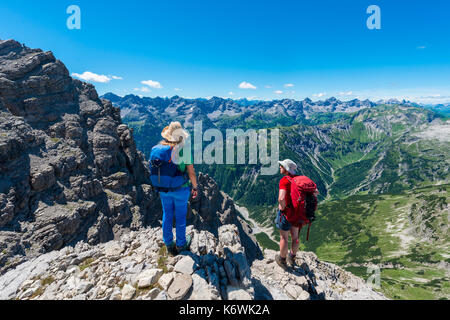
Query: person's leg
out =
(181, 198)
(167, 221)
(284, 243)
(295, 240)
(284, 226)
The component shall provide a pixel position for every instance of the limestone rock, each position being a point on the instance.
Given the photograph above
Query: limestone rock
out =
(166, 280)
(149, 277)
(202, 290)
(186, 265)
(152, 294)
(128, 292)
(236, 293)
(180, 286)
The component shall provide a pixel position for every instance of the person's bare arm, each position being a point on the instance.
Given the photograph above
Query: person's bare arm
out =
(193, 177)
(282, 200)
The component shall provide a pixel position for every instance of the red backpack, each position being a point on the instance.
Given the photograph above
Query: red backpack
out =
(304, 201)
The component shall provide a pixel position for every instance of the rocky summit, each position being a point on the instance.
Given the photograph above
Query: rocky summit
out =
(80, 220)
(137, 267)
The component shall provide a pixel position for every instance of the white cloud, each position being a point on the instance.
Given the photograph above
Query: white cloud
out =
(178, 89)
(421, 47)
(152, 84)
(319, 95)
(246, 85)
(278, 92)
(288, 85)
(231, 93)
(431, 99)
(90, 76)
(116, 78)
(143, 89)
(268, 87)
(343, 93)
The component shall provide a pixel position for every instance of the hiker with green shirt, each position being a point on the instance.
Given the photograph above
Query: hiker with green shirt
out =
(172, 174)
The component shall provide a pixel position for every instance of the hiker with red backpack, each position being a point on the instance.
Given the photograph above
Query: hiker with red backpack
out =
(172, 175)
(297, 202)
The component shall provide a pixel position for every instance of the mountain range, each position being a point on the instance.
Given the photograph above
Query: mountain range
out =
(375, 164)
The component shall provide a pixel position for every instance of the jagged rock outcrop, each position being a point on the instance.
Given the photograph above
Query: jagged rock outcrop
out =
(214, 208)
(137, 267)
(69, 168)
(309, 279)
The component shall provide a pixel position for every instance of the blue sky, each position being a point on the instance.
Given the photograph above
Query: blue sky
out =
(247, 48)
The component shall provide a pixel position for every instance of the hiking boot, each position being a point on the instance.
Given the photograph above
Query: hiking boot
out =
(281, 262)
(186, 246)
(290, 259)
(171, 249)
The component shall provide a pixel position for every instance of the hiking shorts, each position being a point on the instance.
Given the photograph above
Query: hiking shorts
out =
(281, 222)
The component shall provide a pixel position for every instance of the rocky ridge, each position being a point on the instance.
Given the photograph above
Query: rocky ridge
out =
(137, 267)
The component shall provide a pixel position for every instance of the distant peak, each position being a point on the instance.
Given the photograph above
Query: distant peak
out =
(111, 97)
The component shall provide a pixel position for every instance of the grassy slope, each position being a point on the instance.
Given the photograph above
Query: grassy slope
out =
(387, 238)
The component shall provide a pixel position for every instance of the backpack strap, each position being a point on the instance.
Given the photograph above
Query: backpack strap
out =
(171, 150)
(289, 178)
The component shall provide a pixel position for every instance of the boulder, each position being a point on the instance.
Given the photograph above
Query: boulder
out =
(186, 265)
(148, 278)
(236, 293)
(202, 290)
(180, 286)
(128, 292)
(166, 280)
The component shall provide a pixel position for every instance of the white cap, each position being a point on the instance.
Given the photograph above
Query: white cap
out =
(289, 165)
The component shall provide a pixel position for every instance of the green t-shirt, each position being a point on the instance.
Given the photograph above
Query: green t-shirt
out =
(185, 161)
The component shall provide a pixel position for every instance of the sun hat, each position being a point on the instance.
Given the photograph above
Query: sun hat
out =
(289, 165)
(174, 133)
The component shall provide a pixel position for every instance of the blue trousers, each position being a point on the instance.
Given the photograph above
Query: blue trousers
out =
(175, 203)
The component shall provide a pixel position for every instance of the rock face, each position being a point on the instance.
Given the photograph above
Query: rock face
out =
(214, 208)
(69, 168)
(137, 267)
